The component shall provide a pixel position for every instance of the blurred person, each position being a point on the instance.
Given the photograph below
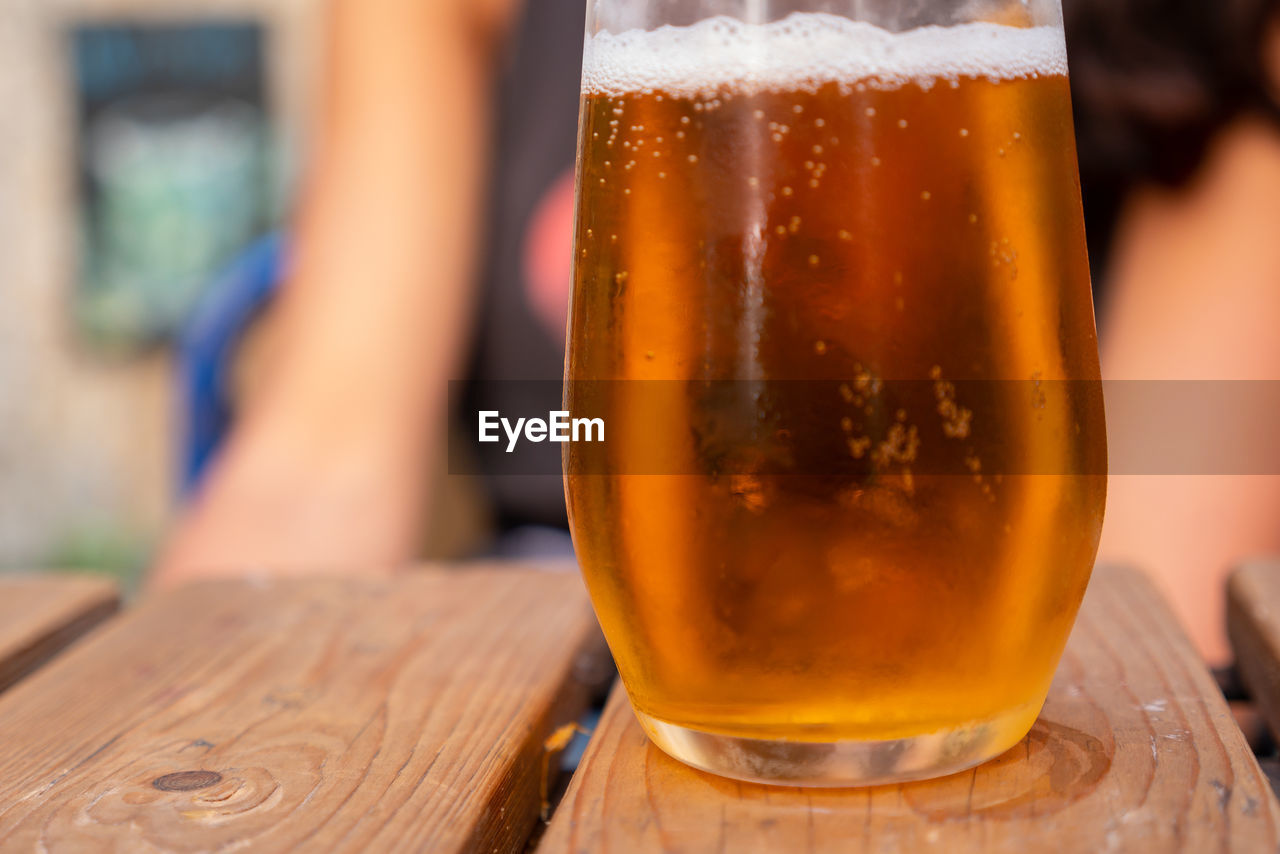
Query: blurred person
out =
(330, 463)
(1178, 123)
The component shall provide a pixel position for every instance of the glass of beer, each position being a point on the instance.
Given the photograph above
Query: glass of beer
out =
(832, 300)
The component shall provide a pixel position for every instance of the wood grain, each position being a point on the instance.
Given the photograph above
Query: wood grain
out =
(1135, 752)
(324, 715)
(1253, 624)
(40, 615)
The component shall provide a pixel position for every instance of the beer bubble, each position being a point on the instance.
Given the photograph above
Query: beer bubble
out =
(813, 182)
(753, 181)
(1038, 399)
(901, 444)
(658, 139)
(844, 235)
(846, 424)
(973, 219)
(759, 114)
(662, 174)
(955, 418)
(679, 134)
(1004, 255)
(781, 230)
(900, 304)
(787, 191)
(875, 161)
(794, 225)
(865, 382)
(797, 109)
(819, 123)
(820, 347)
(814, 260)
(817, 149)
(871, 112)
(693, 158)
(650, 355)
(926, 195)
(684, 120)
(964, 131)
(902, 123)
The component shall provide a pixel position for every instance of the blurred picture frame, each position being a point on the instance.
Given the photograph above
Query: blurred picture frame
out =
(185, 124)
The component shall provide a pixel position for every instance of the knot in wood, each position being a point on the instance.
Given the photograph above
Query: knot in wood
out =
(186, 781)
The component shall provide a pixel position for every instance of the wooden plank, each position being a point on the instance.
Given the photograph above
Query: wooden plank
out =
(1253, 624)
(323, 715)
(40, 615)
(1135, 752)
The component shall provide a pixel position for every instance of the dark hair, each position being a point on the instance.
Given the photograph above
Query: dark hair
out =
(1153, 82)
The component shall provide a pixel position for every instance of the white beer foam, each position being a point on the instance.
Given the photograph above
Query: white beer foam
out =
(806, 50)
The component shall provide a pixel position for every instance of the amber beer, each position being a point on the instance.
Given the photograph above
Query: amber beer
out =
(911, 218)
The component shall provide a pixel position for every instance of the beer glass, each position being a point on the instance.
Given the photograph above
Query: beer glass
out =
(831, 298)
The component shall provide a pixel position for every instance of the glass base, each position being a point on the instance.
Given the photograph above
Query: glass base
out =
(838, 764)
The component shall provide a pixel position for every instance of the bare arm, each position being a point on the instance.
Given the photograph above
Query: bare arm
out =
(326, 469)
(1196, 296)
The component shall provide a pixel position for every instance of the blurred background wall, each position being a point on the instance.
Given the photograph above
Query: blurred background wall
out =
(90, 89)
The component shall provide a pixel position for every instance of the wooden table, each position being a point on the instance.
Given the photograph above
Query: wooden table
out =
(417, 714)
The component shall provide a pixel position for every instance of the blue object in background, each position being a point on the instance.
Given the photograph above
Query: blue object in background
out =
(207, 349)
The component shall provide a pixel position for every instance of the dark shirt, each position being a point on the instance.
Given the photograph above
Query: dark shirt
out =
(528, 251)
